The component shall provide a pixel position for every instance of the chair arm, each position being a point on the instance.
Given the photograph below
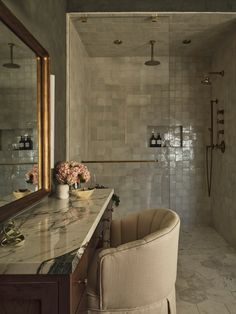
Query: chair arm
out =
(137, 273)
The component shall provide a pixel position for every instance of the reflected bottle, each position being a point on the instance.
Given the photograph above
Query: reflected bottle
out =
(22, 143)
(152, 140)
(29, 140)
(159, 141)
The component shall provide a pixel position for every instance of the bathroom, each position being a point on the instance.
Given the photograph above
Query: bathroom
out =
(125, 99)
(108, 101)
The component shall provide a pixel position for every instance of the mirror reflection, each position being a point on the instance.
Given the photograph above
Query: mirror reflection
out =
(18, 118)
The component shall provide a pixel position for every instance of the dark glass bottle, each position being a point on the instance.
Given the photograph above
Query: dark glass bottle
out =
(27, 143)
(29, 140)
(158, 140)
(22, 143)
(152, 140)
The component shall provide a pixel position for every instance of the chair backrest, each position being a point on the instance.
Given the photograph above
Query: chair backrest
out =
(138, 225)
(141, 267)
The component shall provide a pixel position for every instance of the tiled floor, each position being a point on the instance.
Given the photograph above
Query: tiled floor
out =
(206, 281)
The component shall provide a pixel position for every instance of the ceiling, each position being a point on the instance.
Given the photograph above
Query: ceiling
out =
(136, 30)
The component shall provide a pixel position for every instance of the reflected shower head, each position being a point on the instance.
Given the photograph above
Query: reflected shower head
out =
(152, 62)
(11, 64)
(206, 81)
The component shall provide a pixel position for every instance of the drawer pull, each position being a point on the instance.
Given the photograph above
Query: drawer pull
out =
(82, 281)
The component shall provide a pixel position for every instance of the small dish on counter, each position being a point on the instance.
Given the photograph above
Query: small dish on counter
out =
(21, 193)
(82, 193)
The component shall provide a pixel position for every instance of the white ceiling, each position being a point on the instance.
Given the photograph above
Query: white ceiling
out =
(135, 30)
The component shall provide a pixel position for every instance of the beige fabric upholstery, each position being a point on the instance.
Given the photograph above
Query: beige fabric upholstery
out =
(137, 275)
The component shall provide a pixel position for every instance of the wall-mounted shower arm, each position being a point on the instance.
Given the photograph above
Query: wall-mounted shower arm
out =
(222, 73)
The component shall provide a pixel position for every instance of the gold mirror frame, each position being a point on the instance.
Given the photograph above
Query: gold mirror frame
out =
(43, 88)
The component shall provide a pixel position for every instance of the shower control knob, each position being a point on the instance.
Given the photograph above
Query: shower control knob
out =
(220, 111)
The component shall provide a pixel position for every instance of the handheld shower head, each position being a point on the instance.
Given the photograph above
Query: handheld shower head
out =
(152, 62)
(206, 81)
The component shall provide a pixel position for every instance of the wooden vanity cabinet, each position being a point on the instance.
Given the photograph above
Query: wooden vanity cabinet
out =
(54, 294)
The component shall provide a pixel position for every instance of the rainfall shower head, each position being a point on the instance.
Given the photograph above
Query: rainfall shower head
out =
(11, 64)
(206, 81)
(152, 62)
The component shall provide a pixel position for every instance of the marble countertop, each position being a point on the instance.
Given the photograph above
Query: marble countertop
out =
(56, 232)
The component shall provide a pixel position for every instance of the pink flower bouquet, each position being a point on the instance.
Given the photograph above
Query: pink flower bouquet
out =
(32, 175)
(71, 173)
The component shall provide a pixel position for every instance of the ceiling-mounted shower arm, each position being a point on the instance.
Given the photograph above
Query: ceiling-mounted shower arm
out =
(11, 51)
(152, 42)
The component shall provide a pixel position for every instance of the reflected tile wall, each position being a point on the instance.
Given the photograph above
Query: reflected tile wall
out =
(79, 92)
(189, 107)
(224, 165)
(18, 107)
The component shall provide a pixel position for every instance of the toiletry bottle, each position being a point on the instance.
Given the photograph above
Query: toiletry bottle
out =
(22, 143)
(152, 140)
(27, 143)
(30, 142)
(159, 141)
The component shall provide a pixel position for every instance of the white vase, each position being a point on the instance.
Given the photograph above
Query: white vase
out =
(62, 191)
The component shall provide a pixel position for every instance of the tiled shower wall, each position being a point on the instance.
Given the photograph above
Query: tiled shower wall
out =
(189, 107)
(125, 98)
(224, 165)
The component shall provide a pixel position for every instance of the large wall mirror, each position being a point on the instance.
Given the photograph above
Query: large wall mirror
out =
(24, 117)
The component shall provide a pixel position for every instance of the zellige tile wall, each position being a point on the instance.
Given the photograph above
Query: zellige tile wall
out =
(224, 165)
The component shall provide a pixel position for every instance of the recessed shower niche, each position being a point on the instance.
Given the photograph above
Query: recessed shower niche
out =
(165, 136)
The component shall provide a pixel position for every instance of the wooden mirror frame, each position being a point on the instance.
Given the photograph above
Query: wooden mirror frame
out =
(43, 89)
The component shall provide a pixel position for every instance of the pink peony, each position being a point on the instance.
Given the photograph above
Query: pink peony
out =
(71, 172)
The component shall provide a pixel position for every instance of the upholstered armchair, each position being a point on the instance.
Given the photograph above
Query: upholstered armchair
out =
(137, 274)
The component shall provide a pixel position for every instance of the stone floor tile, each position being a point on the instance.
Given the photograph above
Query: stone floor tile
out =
(210, 307)
(206, 279)
(231, 307)
(186, 308)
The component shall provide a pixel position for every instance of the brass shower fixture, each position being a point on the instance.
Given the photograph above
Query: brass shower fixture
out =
(206, 79)
(154, 18)
(221, 73)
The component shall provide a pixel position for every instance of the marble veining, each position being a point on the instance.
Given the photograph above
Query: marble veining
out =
(206, 282)
(56, 234)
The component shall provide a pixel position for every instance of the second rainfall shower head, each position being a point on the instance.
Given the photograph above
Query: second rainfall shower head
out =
(152, 62)
(11, 64)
